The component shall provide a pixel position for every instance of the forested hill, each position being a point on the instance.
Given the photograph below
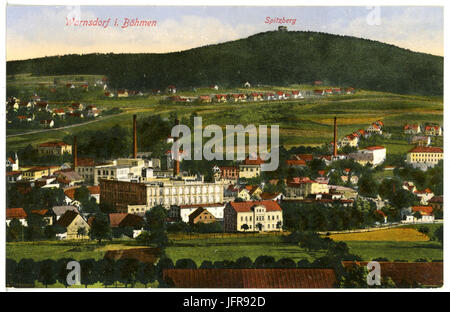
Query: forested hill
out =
(273, 58)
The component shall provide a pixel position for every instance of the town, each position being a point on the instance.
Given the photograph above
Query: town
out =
(348, 184)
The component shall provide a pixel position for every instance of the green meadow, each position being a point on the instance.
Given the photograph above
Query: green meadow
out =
(217, 249)
(302, 122)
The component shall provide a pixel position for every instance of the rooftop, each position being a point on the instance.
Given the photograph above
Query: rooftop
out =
(250, 278)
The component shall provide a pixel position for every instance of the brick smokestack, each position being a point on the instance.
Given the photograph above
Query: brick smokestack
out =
(176, 158)
(134, 137)
(335, 138)
(75, 153)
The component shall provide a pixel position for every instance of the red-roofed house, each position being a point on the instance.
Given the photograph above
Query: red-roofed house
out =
(374, 128)
(411, 129)
(263, 215)
(280, 95)
(220, 98)
(16, 213)
(204, 99)
(59, 112)
(409, 214)
(434, 130)
(349, 140)
(319, 92)
(296, 94)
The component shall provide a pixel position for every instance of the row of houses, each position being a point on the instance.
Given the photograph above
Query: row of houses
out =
(124, 93)
(33, 107)
(429, 130)
(334, 91)
(354, 138)
(239, 97)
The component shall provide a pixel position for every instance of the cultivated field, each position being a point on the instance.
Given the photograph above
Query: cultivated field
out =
(394, 235)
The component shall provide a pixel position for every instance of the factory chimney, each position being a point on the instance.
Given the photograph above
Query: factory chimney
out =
(335, 138)
(134, 137)
(176, 158)
(75, 153)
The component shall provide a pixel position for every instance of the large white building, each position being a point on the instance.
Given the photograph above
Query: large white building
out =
(169, 192)
(424, 157)
(374, 155)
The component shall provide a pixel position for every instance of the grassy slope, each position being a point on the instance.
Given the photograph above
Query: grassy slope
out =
(302, 122)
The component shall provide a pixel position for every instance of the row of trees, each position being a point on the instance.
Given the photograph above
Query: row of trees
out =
(318, 217)
(106, 271)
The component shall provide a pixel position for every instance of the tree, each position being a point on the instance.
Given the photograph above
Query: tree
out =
(244, 263)
(14, 231)
(354, 277)
(100, 229)
(107, 271)
(185, 264)
(163, 263)
(81, 232)
(259, 226)
(244, 227)
(263, 262)
(35, 227)
(286, 263)
(156, 223)
(367, 186)
(146, 273)
(10, 268)
(88, 272)
(128, 271)
(439, 234)
(47, 273)
(26, 273)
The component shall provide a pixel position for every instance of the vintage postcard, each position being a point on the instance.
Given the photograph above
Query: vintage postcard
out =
(224, 147)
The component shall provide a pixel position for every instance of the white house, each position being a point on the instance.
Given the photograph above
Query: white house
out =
(378, 152)
(374, 128)
(12, 164)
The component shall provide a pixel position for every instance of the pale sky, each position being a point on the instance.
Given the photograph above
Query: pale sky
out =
(36, 31)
